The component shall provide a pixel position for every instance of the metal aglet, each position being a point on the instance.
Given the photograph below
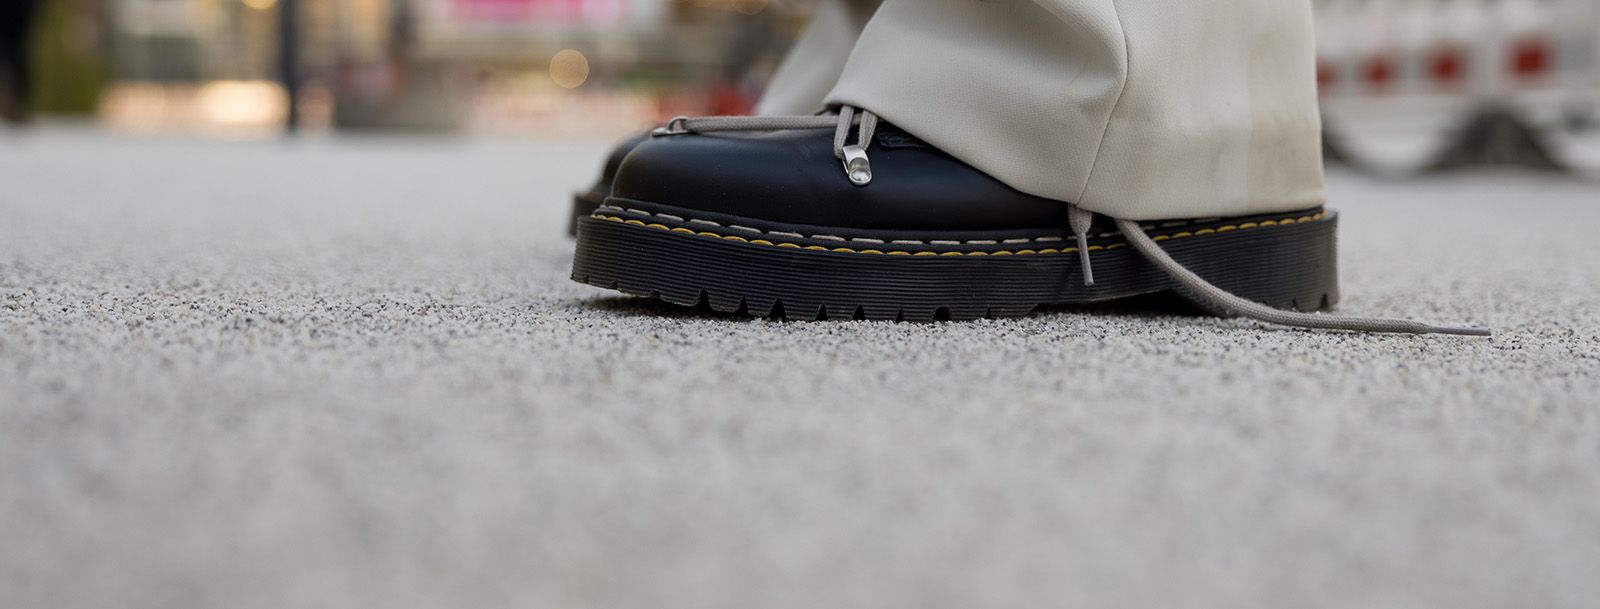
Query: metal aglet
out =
(1082, 220)
(1083, 259)
(857, 166)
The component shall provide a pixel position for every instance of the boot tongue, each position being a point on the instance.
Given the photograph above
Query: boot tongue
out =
(892, 137)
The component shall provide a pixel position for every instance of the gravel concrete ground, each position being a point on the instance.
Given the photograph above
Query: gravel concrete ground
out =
(353, 373)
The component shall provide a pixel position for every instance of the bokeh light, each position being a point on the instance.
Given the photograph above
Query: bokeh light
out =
(569, 68)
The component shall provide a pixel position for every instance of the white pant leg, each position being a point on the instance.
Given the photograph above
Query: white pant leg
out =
(811, 67)
(1138, 109)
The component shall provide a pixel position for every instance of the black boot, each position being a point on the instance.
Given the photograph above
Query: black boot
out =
(783, 219)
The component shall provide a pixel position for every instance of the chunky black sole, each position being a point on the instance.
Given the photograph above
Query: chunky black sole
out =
(583, 205)
(1287, 261)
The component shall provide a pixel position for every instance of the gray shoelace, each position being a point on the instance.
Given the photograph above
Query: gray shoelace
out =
(857, 166)
(1220, 298)
(859, 169)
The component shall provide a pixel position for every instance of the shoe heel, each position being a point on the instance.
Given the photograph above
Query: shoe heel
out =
(1292, 266)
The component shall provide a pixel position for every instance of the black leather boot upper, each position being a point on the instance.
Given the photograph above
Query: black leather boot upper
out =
(608, 174)
(793, 177)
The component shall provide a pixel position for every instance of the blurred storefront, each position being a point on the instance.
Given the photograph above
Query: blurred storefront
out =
(483, 65)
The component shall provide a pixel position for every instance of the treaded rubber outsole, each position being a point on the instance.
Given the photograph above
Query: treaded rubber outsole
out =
(1289, 266)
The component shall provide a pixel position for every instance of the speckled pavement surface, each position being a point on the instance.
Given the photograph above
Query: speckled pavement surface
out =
(353, 373)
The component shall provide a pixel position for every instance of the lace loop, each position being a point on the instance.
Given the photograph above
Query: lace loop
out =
(856, 164)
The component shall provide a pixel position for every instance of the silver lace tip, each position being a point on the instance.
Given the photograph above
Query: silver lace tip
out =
(857, 166)
(1083, 259)
(1463, 331)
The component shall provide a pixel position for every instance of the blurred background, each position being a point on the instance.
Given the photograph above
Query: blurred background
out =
(260, 67)
(1409, 85)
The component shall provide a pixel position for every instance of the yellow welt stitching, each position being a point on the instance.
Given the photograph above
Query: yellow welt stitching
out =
(1205, 231)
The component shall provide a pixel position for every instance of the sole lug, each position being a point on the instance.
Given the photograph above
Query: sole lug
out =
(800, 311)
(882, 312)
(968, 312)
(757, 306)
(682, 297)
(725, 303)
(636, 291)
(919, 314)
(838, 312)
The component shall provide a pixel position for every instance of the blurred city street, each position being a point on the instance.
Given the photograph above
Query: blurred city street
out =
(351, 371)
(286, 322)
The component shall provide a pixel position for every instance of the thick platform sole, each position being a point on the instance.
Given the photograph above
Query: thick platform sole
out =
(1287, 262)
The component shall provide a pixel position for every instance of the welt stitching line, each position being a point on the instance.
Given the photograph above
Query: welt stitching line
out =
(1050, 239)
(1181, 235)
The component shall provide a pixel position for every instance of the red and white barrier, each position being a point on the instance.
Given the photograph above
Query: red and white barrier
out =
(1490, 47)
(1403, 75)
